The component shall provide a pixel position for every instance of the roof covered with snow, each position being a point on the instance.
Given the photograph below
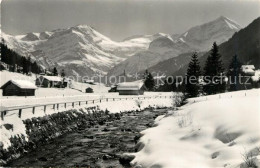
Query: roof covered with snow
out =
(248, 68)
(24, 84)
(256, 77)
(53, 78)
(136, 85)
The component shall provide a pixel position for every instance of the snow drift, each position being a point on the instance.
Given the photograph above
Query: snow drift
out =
(218, 131)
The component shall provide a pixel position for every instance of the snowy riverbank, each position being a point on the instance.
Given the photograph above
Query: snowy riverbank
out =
(214, 131)
(13, 126)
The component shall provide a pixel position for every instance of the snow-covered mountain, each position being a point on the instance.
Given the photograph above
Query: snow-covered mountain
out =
(201, 37)
(80, 50)
(198, 38)
(245, 44)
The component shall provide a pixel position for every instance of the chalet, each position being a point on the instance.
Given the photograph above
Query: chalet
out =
(50, 81)
(113, 88)
(90, 81)
(248, 70)
(89, 90)
(18, 88)
(256, 79)
(131, 88)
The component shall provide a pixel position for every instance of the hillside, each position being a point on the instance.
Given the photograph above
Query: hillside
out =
(245, 43)
(172, 65)
(207, 132)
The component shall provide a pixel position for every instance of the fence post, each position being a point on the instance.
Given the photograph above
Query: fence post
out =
(100, 100)
(20, 113)
(44, 109)
(93, 101)
(73, 104)
(54, 106)
(2, 115)
(65, 105)
(86, 102)
(33, 110)
(79, 103)
(57, 106)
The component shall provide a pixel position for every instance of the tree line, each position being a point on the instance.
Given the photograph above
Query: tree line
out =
(212, 79)
(18, 63)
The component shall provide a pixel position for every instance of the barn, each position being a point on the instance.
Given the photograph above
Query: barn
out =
(18, 88)
(49, 81)
(131, 88)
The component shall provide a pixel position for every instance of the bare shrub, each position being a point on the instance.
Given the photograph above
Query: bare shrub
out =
(249, 159)
(179, 99)
(185, 120)
(138, 103)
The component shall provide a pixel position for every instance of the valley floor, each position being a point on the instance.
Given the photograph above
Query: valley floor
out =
(215, 131)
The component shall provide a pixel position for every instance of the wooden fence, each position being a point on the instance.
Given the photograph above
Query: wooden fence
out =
(72, 103)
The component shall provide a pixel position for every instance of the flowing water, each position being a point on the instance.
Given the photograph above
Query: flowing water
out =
(99, 146)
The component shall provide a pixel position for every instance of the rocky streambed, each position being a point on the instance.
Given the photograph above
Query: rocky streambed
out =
(97, 145)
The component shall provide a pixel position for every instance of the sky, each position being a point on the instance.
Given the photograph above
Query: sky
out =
(119, 19)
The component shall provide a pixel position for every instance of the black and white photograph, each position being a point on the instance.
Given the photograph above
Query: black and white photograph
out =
(130, 83)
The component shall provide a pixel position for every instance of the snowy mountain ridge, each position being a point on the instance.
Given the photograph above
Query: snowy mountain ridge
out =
(198, 38)
(81, 50)
(202, 36)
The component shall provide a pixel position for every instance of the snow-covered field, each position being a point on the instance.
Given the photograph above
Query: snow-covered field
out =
(215, 131)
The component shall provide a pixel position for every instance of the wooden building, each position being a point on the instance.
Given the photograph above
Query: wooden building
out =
(256, 79)
(248, 70)
(131, 88)
(18, 88)
(51, 81)
(89, 90)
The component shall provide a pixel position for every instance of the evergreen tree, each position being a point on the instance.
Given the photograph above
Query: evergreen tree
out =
(4, 53)
(145, 74)
(35, 68)
(55, 71)
(62, 73)
(192, 87)
(29, 64)
(213, 73)
(149, 81)
(233, 73)
(24, 65)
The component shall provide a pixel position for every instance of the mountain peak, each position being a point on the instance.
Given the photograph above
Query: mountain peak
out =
(231, 23)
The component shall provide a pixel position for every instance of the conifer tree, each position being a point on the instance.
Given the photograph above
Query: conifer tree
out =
(29, 64)
(62, 73)
(55, 71)
(192, 87)
(24, 65)
(233, 73)
(149, 81)
(213, 72)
